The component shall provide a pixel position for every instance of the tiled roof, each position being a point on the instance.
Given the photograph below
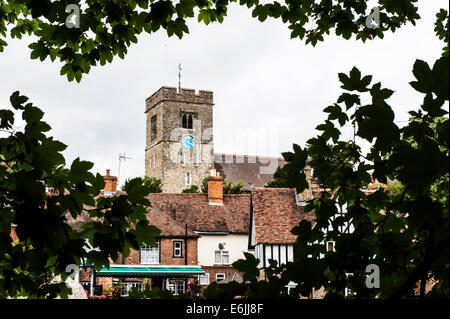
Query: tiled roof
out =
(253, 171)
(164, 222)
(275, 213)
(194, 210)
(167, 225)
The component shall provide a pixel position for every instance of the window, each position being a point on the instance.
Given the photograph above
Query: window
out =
(181, 158)
(153, 128)
(187, 121)
(154, 160)
(127, 287)
(330, 245)
(184, 121)
(150, 255)
(220, 276)
(176, 286)
(203, 279)
(86, 285)
(194, 159)
(188, 178)
(222, 257)
(151, 162)
(177, 249)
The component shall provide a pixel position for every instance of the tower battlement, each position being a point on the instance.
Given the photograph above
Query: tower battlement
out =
(167, 93)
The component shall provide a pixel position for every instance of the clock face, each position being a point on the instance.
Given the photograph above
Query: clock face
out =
(188, 142)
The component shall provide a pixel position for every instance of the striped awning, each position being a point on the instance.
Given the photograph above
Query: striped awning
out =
(136, 271)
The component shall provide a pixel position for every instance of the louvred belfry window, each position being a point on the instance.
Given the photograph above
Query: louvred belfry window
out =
(187, 121)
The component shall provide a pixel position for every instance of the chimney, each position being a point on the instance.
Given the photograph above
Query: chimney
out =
(215, 190)
(110, 183)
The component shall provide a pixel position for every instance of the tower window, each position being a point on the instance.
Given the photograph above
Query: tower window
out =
(188, 178)
(182, 158)
(187, 121)
(153, 128)
(194, 159)
(154, 160)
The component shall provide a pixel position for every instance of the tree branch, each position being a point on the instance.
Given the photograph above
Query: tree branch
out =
(420, 269)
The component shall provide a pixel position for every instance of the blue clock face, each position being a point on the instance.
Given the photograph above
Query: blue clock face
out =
(188, 142)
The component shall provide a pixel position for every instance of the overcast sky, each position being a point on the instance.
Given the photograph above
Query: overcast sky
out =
(264, 84)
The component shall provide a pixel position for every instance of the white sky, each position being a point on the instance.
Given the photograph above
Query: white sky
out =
(264, 83)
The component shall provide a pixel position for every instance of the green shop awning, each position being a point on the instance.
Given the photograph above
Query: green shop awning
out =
(131, 271)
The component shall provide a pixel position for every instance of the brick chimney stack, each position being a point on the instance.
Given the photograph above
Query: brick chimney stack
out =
(215, 190)
(110, 183)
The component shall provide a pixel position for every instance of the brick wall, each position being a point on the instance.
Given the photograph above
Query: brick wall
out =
(166, 253)
(213, 270)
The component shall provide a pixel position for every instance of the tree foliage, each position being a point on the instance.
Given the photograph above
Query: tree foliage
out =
(31, 163)
(153, 184)
(403, 229)
(192, 189)
(279, 179)
(228, 187)
(108, 28)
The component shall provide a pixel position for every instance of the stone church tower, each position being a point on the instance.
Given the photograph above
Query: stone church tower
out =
(179, 137)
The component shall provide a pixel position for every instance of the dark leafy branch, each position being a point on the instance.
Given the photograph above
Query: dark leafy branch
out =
(45, 223)
(108, 28)
(409, 246)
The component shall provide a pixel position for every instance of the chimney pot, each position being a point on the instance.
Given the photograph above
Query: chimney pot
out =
(110, 183)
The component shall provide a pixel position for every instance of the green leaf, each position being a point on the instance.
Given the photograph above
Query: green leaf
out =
(424, 77)
(249, 267)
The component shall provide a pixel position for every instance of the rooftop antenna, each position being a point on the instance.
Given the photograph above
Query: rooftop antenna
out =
(179, 77)
(122, 157)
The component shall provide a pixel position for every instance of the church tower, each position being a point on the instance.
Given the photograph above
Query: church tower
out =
(179, 137)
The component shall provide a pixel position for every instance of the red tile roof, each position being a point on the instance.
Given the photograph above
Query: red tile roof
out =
(275, 213)
(163, 221)
(194, 210)
(167, 225)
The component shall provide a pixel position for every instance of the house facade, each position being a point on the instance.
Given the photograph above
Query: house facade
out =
(220, 220)
(275, 211)
(170, 264)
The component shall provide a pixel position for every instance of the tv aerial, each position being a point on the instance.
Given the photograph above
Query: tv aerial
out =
(122, 157)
